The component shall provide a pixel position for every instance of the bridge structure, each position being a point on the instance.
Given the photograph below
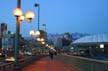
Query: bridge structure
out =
(60, 62)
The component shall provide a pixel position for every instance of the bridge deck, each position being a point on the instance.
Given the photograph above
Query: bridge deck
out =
(46, 64)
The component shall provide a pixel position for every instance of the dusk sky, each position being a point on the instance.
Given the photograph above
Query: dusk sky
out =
(83, 16)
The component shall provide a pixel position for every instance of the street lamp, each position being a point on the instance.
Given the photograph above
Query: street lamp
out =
(44, 26)
(29, 16)
(43, 42)
(31, 33)
(40, 39)
(17, 12)
(37, 33)
(38, 5)
(44, 31)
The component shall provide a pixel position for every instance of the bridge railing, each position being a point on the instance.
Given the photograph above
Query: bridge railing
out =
(7, 67)
(22, 63)
(85, 64)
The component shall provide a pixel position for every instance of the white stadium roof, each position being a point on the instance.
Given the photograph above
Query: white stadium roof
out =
(93, 38)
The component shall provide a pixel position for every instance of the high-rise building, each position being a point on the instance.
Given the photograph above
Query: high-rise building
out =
(3, 27)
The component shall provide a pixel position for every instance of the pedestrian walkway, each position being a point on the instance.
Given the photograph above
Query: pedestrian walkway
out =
(46, 64)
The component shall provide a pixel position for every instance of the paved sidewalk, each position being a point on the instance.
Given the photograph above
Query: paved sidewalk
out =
(46, 64)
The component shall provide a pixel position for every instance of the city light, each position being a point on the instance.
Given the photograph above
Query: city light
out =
(101, 45)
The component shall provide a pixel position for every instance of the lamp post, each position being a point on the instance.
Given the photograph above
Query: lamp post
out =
(38, 5)
(19, 17)
(44, 31)
(44, 26)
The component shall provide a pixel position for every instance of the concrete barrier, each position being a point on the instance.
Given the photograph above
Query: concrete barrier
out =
(85, 64)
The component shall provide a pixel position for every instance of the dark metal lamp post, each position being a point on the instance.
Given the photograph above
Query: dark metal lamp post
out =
(38, 5)
(19, 17)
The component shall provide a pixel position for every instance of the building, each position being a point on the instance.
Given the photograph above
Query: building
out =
(3, 27)
(93, 45)
(58, 43)
(8, 40)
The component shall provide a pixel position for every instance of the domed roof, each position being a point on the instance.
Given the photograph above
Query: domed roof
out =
(93, 38)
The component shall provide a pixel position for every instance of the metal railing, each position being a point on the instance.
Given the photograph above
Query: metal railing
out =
(7, 67)
(85, 64)
(11, 67)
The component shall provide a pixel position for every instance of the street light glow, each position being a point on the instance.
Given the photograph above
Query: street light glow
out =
(37, 33)
(17, 12)
(42, 39)
(22, 17)
(29, 16)
(31, 33)
(47, 45)
(43, 42)
(38, 39)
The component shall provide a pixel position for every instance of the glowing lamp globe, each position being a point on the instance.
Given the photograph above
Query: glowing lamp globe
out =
(38, 39)
(43, 42)
(22, 17)
(17, 12)
(31, 33)
(29, 16)
(46, 45)
(37, 33)
(42, 39)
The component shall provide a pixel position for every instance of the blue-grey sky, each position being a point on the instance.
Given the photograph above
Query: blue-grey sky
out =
(85, 16)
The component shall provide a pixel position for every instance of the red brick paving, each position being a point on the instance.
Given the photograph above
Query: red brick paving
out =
(46, 64)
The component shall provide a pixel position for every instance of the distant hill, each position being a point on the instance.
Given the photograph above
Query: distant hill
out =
(53, 36)
(74, 35)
